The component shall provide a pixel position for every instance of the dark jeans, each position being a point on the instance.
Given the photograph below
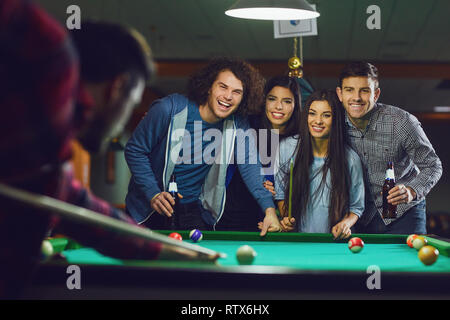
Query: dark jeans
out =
(234, 220)
(186, 216)
(412, 221)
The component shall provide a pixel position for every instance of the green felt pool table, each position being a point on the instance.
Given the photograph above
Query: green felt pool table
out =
(287, 266)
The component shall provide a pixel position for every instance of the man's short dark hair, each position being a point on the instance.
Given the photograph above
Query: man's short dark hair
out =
(107, 50)
(359, 69)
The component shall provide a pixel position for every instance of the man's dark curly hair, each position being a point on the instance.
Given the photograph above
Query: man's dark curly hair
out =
(253, 83)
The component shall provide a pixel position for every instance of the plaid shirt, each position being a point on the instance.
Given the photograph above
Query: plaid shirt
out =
(109, 243)
(22, 230)
(38, 82)
(38, 86)
(393, 134)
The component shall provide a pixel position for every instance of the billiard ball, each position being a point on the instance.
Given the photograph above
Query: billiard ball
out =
(46, 250)
(355, 245)
(245, 254)
(410, 239)
(176, 236)
(196, 235)
(419, 242)
(428, 255)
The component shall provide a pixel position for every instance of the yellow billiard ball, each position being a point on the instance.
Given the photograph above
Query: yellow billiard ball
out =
(428, 255)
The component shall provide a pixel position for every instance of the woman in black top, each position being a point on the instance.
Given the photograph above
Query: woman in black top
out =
(280, 117)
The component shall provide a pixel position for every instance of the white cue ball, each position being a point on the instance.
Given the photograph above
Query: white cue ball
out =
(245, 254)
(46, 250)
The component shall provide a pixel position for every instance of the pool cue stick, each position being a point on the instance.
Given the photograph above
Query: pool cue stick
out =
(291, 169)
(79, 214)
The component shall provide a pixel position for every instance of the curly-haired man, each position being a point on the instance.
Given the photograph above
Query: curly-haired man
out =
(195, 138)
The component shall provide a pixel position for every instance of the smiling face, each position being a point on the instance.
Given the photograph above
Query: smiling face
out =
(224, 97)
(320, 119)
(279, 106)
(358, 96)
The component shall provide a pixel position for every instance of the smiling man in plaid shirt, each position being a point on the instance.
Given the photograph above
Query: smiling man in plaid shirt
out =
(380, 133)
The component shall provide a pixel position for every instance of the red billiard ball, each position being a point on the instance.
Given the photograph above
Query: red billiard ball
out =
(428, 255)
(410, 239)
(176, 236)
(355, 245)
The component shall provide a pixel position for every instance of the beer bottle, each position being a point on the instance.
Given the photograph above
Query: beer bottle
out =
(173, 190)
(389, 210)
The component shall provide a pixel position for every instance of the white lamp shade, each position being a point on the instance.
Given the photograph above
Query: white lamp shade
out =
(272, 10)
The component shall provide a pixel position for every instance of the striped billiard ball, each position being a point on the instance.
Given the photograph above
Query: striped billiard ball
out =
(196, 235)
(355, 244)
(410, 239)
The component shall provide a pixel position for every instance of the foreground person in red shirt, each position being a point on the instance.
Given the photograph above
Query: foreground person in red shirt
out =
(47, 99)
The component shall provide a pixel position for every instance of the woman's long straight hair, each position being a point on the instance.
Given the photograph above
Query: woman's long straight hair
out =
(335, 164)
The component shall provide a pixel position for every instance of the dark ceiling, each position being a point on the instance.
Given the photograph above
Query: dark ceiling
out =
(411, 49)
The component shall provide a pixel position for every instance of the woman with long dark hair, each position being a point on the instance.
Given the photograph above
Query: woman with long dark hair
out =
(279, 116)
(327, 180)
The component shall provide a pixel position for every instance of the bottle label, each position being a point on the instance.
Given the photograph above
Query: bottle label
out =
(390, 174)
(173, 187)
